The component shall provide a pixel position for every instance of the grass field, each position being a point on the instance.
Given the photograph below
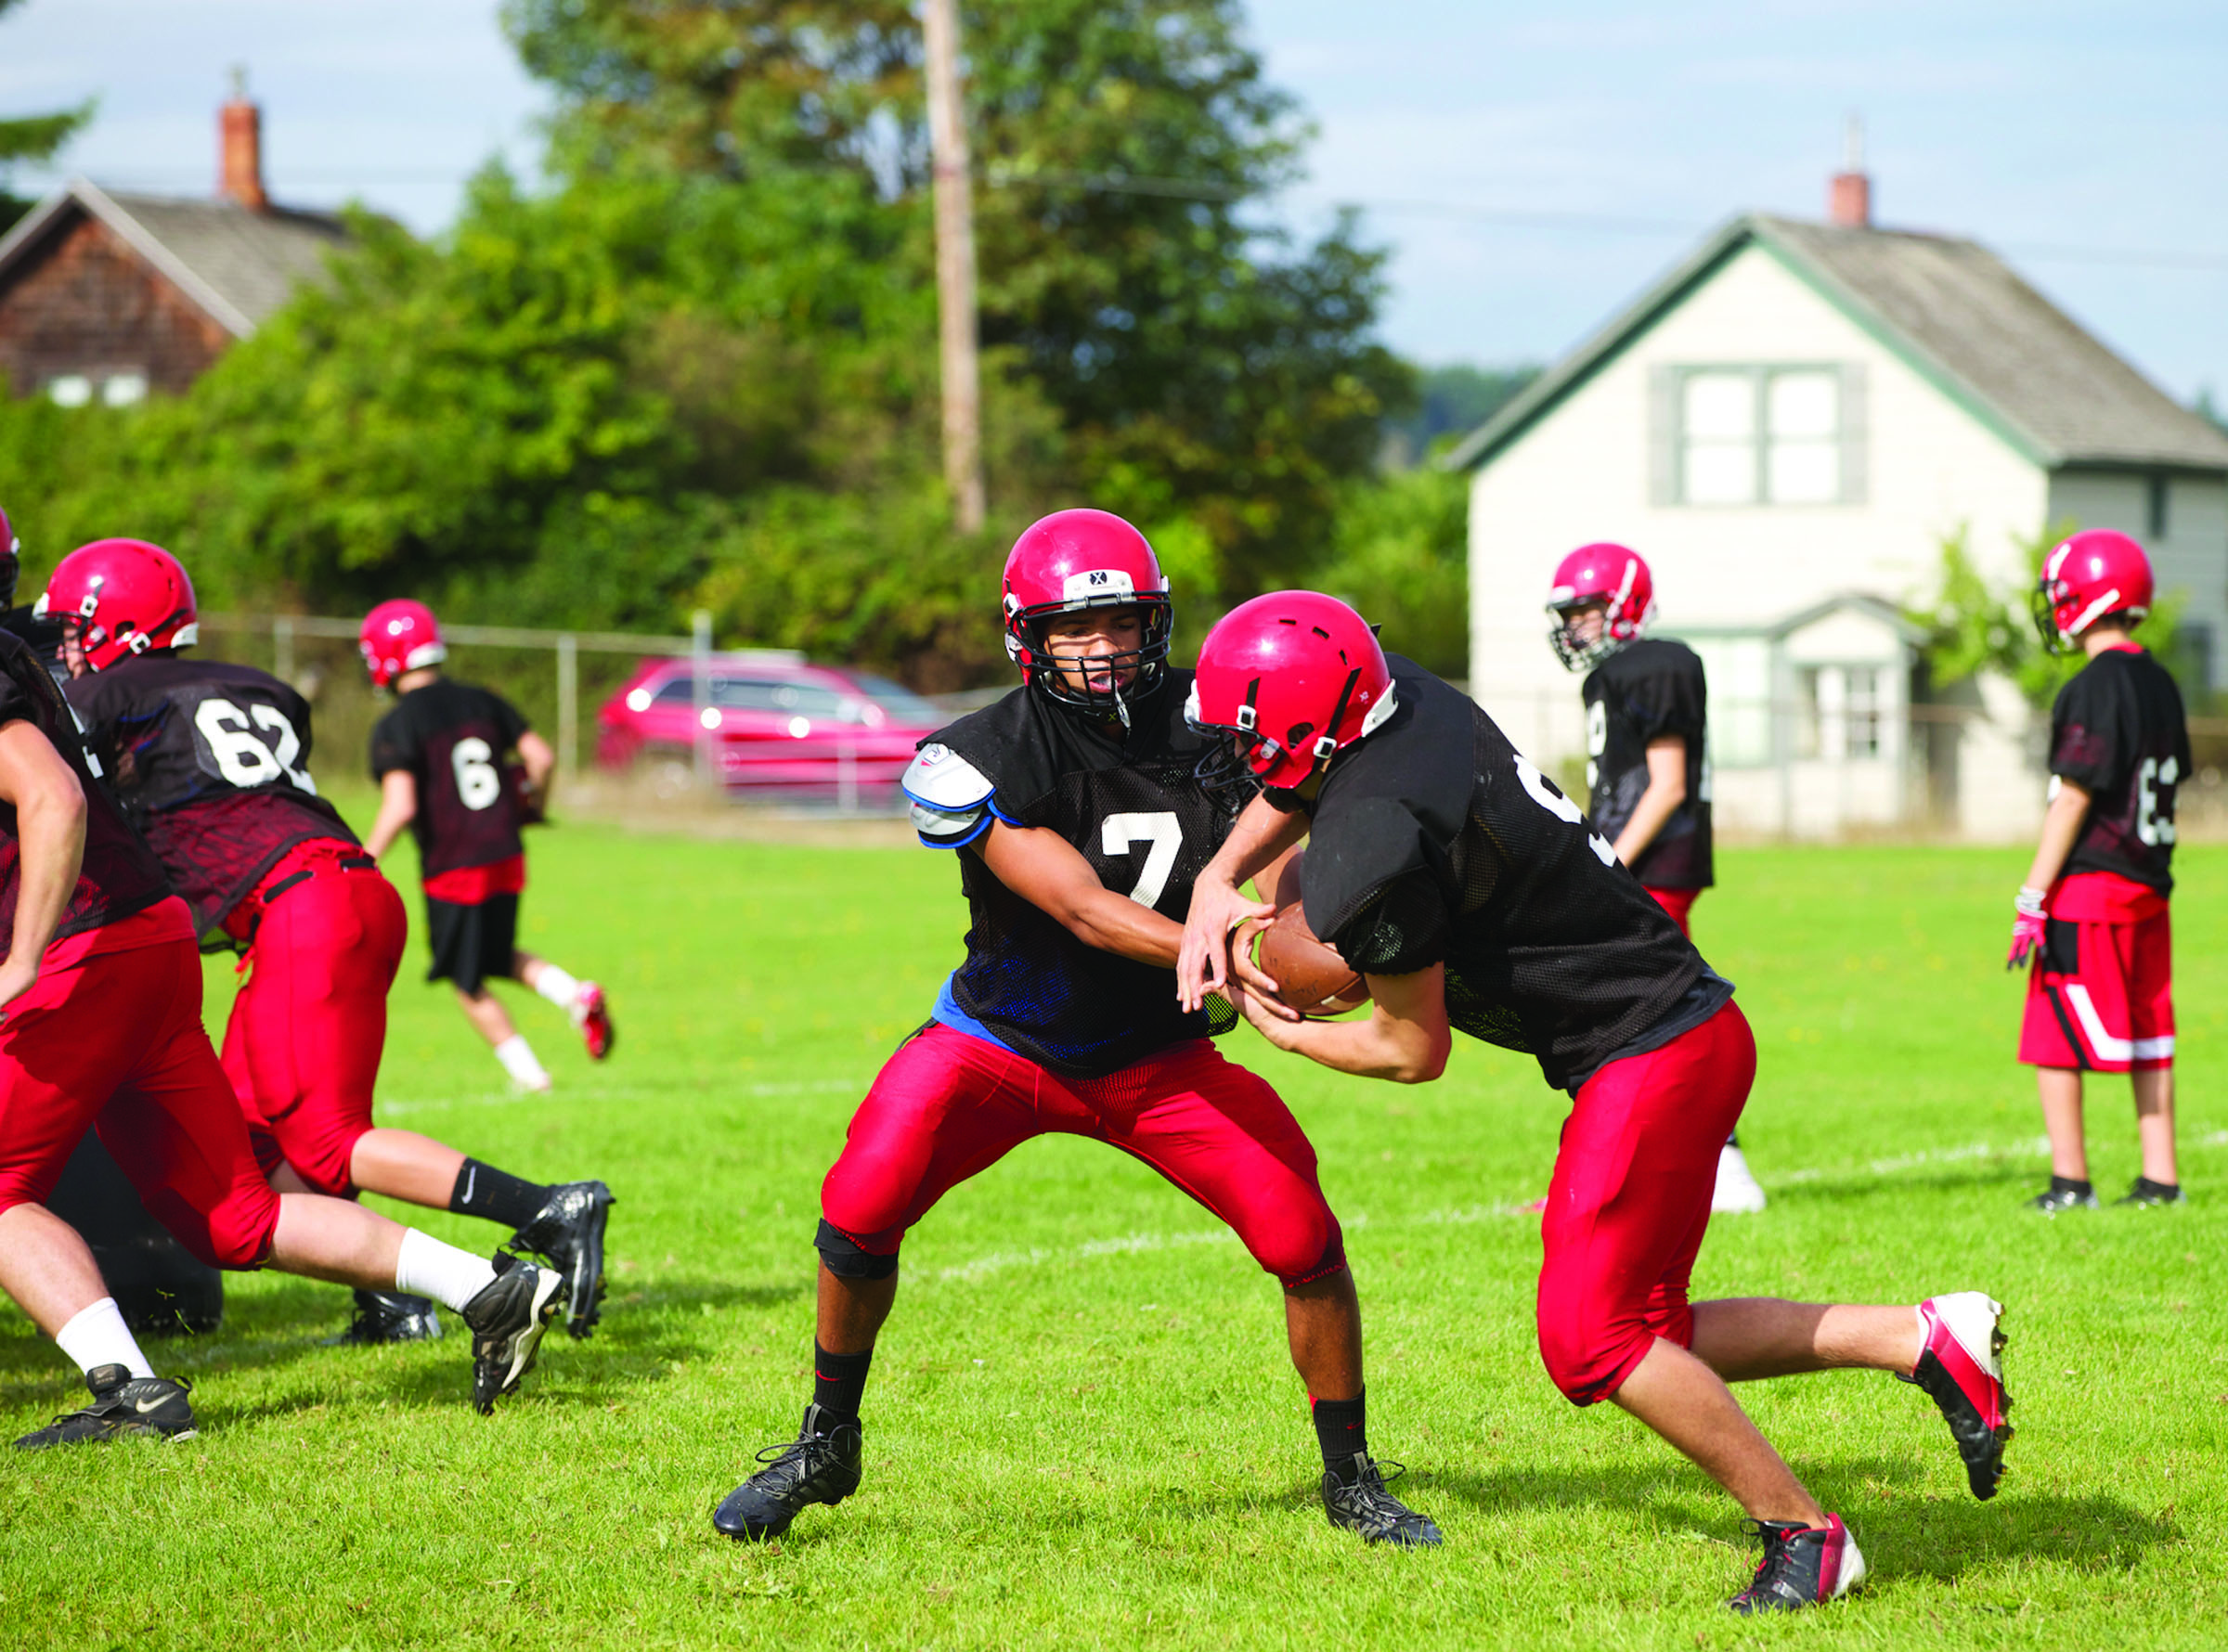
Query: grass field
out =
(1081, 1426)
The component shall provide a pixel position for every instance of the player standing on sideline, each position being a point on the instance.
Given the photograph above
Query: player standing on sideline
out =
(1470, 892)
(440, 760)
(1078, 821)
(100, 986)
(2100, 996)
(211, 762)
(1647, 754)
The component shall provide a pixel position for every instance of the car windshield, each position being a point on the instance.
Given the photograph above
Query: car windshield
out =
(758, 693)
(900, 704)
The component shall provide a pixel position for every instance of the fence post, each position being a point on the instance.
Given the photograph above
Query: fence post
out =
(568, 705)
(700, 658)
(282, 648)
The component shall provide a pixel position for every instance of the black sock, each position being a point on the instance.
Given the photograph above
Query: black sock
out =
(839, 1383)
(2143, 1185)
(1340, 1429)
(484, 1191)
(2067, 1184)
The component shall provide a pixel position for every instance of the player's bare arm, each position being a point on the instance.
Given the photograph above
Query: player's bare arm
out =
(1047, 871)
(1207, 960)
(50, 826)
(397, 808)
(1406, 1039)
(540, 761)
(1667, 790)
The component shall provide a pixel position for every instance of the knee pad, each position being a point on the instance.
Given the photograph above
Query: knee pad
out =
(845, 1258)
(1332, 1260)
(1590, 1363)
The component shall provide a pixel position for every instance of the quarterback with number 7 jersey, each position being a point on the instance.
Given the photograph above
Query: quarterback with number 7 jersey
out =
(1074, 811)
(1473, 895)
(210, 761)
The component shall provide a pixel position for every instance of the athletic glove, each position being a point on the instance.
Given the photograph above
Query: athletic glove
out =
(2027, 928)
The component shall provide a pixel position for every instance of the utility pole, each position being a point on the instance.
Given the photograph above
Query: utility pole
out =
(955, 264)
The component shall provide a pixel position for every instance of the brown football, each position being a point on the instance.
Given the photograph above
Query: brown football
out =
(1310, 976)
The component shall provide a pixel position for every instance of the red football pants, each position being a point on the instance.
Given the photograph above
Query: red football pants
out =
(2100, 998)
(1630, 1200)
(1678, 903)
(302, 1047)
(949, 1106)
(115, 1042)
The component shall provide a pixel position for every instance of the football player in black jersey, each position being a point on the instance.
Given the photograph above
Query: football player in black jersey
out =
(442, 760)
(211, 762)
(1647, 752)
(1471, 894)
(102, 985)
(2100, 996)
(1078, 821)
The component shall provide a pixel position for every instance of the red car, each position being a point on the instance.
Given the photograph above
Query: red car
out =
(775, 724)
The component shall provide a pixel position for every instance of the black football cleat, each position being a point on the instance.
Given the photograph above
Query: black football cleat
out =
(2057, 1199)
(508, 1319)
(2144, 1193)
(1355, 1499)
(1803, 1565)
(567, 1233)
(819, 1465)
(388, 1316)
(1961, 1366)
(152, 1407)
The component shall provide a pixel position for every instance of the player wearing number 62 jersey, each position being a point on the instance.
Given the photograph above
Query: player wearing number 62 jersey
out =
(442, 760)
(1078, 821)
(1473, 895)
(211, 762)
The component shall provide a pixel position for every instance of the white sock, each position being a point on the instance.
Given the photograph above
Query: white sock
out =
(97, 1336)
(557, 987)
(429, 1267)
(519, 1060)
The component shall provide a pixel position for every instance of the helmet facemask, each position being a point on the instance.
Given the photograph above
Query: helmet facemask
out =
(1028, 640)
(1576, 652)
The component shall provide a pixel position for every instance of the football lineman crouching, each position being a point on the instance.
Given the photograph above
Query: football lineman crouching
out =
(1472, 893)
(101, 1025)
(1075, 813)
(210, 761)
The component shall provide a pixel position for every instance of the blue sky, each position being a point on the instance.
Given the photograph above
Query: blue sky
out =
(2070, 137)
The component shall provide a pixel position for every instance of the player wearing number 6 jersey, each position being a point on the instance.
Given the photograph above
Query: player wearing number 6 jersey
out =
(1078, 822)
(1474, 895)
(2100, 993)
(211, 762)
(442, 760)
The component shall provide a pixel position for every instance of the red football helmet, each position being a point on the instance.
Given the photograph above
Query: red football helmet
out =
(2095, 573)
(1295, 677)
(11, 562)
(397, 636)
(124, 596)
(1612, 576)
(1077, 559)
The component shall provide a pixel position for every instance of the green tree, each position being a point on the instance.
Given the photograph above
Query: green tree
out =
(32, 137)
(1399, 553)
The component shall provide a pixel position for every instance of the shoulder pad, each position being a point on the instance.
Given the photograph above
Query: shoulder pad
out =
(950, 797)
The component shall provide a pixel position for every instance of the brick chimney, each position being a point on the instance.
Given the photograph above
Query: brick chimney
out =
(1849, 196)
(240, 131)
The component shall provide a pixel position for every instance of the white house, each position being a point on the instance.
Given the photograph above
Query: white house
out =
(1788, 426)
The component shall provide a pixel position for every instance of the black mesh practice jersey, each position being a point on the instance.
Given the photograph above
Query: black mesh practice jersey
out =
(1137, 811)
(1651, 690)
(2118, 732)
(454, 739)
(211, 762)
(120, 874)
(1433, 841)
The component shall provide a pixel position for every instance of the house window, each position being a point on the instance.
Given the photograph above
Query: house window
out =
(1837, 712)
(123, 389)
(2153, 510)
(1753, 436)
(71, 390)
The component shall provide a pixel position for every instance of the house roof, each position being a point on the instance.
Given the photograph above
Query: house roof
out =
(1954, 312)
(237, 264)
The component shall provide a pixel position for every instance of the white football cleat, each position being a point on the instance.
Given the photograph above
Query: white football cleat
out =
(1738, 1193)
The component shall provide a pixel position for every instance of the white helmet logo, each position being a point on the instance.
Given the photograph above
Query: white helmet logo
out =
(1096, 584)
